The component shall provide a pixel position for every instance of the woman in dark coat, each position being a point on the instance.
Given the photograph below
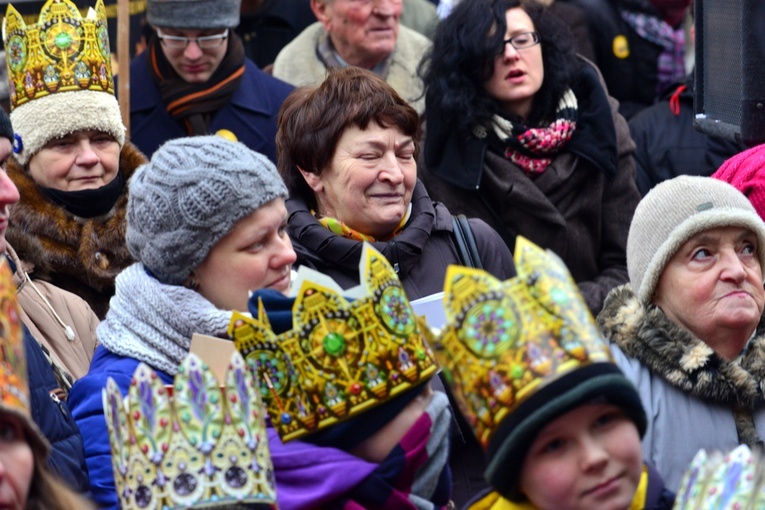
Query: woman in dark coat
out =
(347, 152)
(522, 134)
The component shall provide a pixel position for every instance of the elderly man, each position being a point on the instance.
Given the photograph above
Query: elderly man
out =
(194, 79)
(363, 33)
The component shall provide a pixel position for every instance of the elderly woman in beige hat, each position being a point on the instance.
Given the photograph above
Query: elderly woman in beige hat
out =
(687, 329)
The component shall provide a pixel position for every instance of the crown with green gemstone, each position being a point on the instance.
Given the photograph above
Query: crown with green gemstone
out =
(342, 357)
(194, 444)
(504, 340)
(62, 52)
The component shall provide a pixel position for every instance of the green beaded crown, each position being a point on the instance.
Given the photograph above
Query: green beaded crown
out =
(341, 358)
(505, 340)
(194, 444)
(61, 52)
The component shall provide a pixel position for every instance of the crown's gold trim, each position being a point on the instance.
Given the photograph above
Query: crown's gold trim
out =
(341, 358)
(505, 340)
(62, 52)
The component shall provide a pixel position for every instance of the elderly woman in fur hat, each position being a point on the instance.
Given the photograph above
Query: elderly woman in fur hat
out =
(687, 329)
(71, 160)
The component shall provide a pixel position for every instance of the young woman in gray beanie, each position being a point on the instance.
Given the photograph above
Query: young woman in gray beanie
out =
(206, 225)
(688, 328)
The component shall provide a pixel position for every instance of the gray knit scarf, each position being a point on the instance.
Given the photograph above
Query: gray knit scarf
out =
(153, 322)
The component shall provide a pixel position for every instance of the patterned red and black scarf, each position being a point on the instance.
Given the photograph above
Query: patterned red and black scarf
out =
(532, 149)
(193, 104)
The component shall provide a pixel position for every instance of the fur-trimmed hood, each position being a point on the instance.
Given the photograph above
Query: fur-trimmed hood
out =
(80, 255)
(645, 333)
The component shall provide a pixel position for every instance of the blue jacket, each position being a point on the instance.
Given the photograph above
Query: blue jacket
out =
(251, 114)
(52, 416)
(88, 411)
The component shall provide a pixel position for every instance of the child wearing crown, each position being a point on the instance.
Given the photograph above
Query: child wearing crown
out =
(345, 377)
(560, 423)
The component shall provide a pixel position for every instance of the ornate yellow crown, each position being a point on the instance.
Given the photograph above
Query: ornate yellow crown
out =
(504, 340)
(341, 358)
(62, 52)
(192, 444)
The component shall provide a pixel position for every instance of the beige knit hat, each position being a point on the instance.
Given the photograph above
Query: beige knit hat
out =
(673, 212)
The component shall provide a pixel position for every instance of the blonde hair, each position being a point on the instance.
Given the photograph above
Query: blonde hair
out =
(47, 492)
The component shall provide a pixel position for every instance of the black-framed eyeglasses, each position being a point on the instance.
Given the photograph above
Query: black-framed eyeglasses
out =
(522, 41)
(178, 42)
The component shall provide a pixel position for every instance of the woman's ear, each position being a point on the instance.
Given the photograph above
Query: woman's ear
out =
(313, 180)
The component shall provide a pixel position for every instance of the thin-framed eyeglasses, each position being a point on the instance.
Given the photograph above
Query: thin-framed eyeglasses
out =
(522, 41)
(178, 42)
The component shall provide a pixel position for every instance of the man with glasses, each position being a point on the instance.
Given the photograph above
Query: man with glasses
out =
(363, 33)
(194, 79)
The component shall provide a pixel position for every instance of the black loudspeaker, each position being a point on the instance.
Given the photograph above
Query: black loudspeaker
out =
(730, 69)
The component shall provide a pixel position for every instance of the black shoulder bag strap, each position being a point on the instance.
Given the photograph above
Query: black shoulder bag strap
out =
(465, 242)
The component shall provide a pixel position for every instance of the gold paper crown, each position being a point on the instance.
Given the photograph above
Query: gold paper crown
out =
(505, 340)
(734, 481)
(192, 445)
(341, 358)
(62, 52)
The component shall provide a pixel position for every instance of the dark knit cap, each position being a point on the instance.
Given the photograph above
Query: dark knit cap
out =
(601, 382)
(193, 14)
(6, 129)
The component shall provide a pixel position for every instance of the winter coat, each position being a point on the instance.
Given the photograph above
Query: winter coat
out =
(250, 114)
(80, 255)
(631, 73)
(88, 410)
(693, 398)
(667, 144)
(52, 416)
(421, 252)
(299, 62)
(655, 495)
(580, 207)
(50, 314)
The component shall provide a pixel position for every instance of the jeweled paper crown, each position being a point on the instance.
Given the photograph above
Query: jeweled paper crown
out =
(194, 444)
(505, 340)
(47, 62)
(341, 358)
(61, 52)
(733, 481)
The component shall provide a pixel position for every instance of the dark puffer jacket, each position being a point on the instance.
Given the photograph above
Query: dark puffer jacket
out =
(52, 416)
(668, 145)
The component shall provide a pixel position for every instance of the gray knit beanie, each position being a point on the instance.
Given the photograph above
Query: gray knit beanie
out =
(194, 14)
(673, 212)
(189, 196)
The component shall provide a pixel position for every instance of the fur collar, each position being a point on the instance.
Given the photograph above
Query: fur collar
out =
(648, 335)
(59, 247)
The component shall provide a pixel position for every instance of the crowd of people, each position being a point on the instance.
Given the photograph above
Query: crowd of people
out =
(300, 178)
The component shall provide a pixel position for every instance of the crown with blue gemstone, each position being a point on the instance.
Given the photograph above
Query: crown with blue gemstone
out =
(194, 444)
(342, 357)
(504, 340)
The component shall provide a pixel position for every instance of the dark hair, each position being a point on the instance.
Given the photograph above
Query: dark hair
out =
(312, 120)
(461, 60)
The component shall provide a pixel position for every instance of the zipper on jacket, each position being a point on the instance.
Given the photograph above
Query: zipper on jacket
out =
(54, 397)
